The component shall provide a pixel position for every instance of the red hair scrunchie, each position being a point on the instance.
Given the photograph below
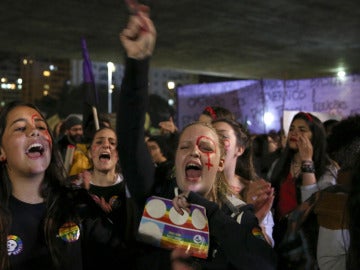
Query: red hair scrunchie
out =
(211, 111)
(308, 116)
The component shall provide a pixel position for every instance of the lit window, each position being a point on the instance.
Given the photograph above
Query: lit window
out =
(46, 73)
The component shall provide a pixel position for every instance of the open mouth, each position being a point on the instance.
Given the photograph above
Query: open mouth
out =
(35, 150)
(104, 156)
(193, 171)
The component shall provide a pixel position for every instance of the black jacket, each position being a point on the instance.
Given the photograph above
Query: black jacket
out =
(236, 245)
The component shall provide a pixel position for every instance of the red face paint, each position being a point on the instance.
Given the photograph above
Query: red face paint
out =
(95, 148)
(207, 151)
(33, 118)
(37, 118)
(48, 137)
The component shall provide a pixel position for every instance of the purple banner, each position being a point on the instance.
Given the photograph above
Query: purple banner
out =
(260, 104)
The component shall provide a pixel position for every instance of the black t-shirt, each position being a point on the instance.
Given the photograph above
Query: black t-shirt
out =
(26, 244)
(111, 249)
(112, 194)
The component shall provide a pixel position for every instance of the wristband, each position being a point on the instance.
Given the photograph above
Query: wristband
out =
(307, 166)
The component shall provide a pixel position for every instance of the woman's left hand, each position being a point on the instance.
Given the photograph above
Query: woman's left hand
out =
(258, 193)
(261, 212)
(82, 180)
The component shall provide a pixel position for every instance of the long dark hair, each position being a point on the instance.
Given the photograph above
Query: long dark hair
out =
(117, 167)
(50, 190)
(318, 141)
(353, 209)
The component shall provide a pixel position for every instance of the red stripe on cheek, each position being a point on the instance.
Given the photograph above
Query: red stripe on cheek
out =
(48, 138)
(46, 132)
(209, 164)
(95, 148)
(208, 153)
(33, 118)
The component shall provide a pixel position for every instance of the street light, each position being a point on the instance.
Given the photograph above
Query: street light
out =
(111, 69)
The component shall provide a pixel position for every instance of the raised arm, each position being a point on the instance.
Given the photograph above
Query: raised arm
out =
(138, 39)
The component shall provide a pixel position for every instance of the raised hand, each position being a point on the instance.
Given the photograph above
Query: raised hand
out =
(139, 36)
(168, 126)
(305, 148)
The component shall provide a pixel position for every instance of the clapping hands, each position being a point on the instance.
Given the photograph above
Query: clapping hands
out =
(261, 195)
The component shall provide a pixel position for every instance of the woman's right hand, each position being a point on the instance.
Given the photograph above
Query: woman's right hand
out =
(181, 260)
(168, 126)
(180, 203)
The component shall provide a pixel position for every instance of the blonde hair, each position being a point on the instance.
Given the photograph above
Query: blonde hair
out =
(220, 188)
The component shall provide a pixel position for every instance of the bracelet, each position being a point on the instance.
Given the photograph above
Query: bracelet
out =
(307, 166)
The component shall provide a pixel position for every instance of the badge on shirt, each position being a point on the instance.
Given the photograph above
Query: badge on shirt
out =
(257, 232)
(69, 232)
(115, 202)
(14, 245)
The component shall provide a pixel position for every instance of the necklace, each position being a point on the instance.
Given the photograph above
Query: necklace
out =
(295, 168)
